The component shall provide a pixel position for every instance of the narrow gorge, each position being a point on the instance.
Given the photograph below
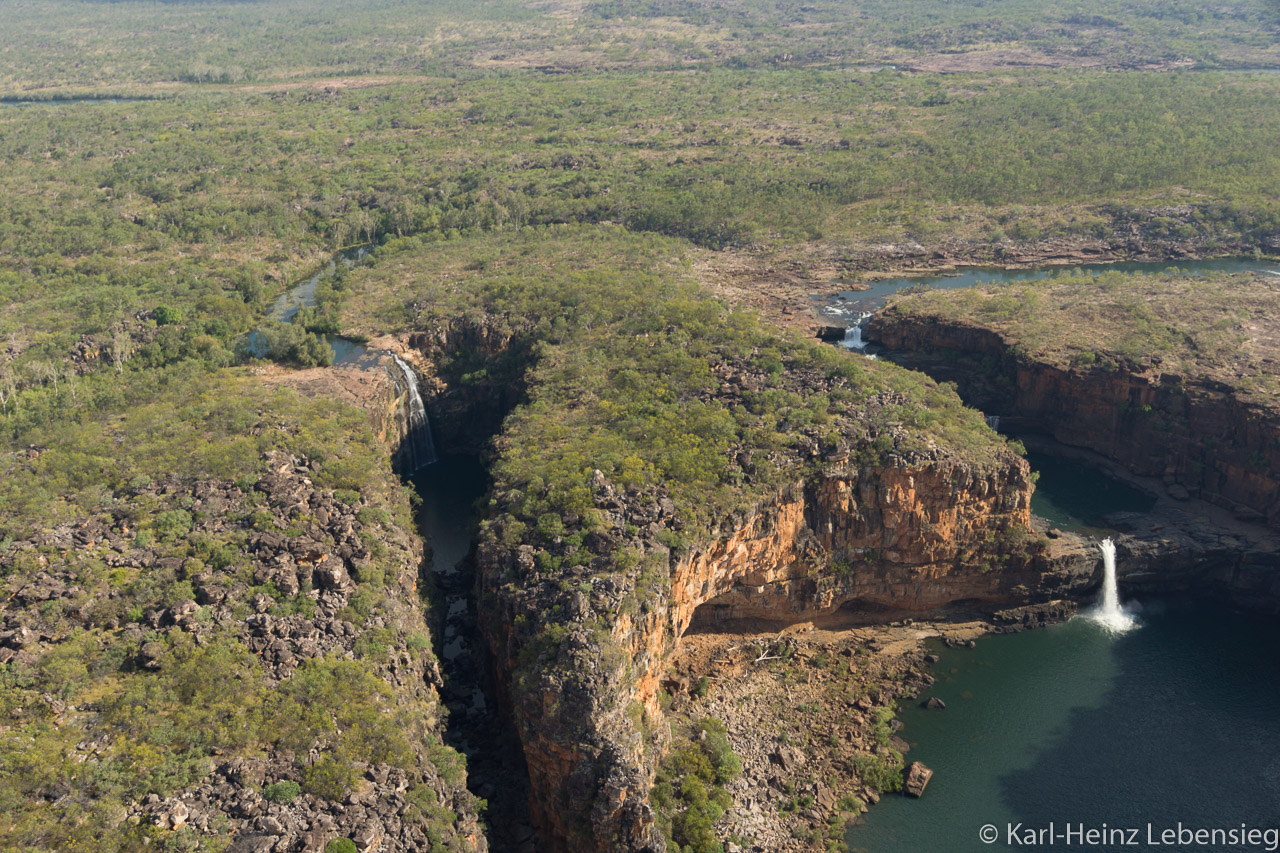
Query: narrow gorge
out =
(851, 488)
(579, 654)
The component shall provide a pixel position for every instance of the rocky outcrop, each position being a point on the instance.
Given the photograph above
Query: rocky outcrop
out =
(918, 776)
(289, 595)
(374, 386)
(1204, 438)
(911, 539)
(583, 653)
(1177, 549)
(472, 370)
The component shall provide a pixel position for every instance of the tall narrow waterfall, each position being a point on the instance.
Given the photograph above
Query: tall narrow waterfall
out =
(419, 448)
(993, 421)
(1109, 614)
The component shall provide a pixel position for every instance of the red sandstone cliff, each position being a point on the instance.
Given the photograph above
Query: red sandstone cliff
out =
(583, 654)
(1199, 434)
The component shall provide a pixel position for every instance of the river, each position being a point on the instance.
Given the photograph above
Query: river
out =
(850, 306)
(345, 350)
(1173, 722)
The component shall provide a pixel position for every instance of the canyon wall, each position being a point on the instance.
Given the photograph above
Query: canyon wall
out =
(472, 373)
(1203, 437)
(583, 655)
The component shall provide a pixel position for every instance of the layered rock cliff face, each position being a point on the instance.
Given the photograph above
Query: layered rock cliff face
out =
(472, 370)
(1203, 437)
(1175, 550)
(911, 537)
(581, 634)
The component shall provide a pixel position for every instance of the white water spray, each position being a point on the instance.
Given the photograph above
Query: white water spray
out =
(853, 335)
(1109, 614)
(993, 421)
(419, 449)
(853, 338)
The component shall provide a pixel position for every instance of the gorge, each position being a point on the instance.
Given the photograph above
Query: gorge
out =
(412, 435)
(579, 635)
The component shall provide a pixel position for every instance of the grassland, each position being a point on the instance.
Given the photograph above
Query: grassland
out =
(207, 204)
(154, 44)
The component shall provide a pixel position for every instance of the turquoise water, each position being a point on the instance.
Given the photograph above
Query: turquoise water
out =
(1073, 496)
(849, 305)
(1176, 721)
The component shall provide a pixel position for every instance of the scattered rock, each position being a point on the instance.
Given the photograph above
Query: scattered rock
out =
(918, 777)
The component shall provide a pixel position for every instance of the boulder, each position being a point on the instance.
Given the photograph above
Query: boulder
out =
(918, 777)
(933, 703)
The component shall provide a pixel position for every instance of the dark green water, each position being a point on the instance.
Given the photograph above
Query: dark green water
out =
(1073, 496)
(447, 515)
(1176, 721)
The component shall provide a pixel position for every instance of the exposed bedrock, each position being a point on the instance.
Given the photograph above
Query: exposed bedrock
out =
(1201, 437)
(473, 371)
(579, 654)
(914, 538)
(1177, 549)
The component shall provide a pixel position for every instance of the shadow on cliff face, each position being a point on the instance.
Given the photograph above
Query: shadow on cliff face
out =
(450, 491)
(474, 381)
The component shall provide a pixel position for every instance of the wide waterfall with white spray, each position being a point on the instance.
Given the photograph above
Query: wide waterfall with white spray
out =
(853, 334)
(1109, 614)
(419, 448)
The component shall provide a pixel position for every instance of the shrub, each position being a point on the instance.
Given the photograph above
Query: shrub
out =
(172, 524)
(167, 316)
(282, 792)
(689, 793)
(329, 778)
(341, 845)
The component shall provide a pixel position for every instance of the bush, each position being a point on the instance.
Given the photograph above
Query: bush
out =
(341, 845)
(167, 316)
(689, 793)
(284, 791)
(329, 778)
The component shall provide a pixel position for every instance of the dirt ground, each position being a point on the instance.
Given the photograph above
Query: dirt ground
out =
(809, 710)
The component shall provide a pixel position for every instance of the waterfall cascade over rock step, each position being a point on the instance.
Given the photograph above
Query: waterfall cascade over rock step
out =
(1109, 614)
(418, 448)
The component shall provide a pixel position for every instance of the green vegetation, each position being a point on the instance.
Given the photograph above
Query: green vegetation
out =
(1185, 327)
(150, 46)
(631, 365)
(161, 239)
(282, 792)
(689, 793)
(180, 164)
(157, 727)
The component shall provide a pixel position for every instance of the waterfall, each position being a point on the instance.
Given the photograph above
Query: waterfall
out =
(1109, 614)
(853, 338)
(993, 421)
(853, 335)
(419, 448)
